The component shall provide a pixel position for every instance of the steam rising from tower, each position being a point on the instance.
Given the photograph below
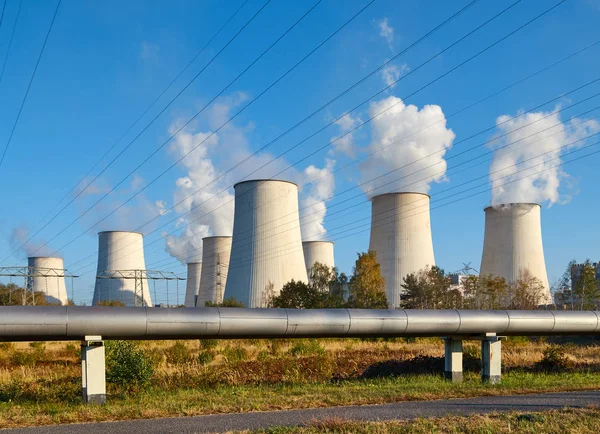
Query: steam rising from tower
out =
(266, 250)
(52, 284)
(121, 256)
(401, 238)
(216, 252)
(512, 243)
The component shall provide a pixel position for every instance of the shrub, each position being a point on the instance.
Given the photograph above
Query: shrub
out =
(39, 349)
(23, 358)
(555, 359)
(235, 354)
(209, 344)
(205, 357)
(7, 346)
(307, 348)
(178, 354)
(126, 364)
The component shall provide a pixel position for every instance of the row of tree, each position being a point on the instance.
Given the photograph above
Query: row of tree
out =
(579, 287)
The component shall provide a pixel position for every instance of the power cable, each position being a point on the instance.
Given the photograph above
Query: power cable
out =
(10, 41)
(12, 132)
(2, 13)
(122, 137)
(144, 130)
(180, 129)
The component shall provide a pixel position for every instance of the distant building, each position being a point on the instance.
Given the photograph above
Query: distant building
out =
(576, 273)
(457, 281)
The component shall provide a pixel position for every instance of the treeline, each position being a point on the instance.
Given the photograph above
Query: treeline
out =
(578, 288)
(14, 295)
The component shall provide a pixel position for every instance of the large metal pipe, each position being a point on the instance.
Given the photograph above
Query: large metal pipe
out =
(29, 323)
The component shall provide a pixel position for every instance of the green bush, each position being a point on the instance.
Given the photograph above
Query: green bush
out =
(178, 354)
(307, 348)
(127, 365)
(555, 359)
(39, 350)
(209, 344)
(7, 346)
(205, 357)
(23, 358)
(235, 354)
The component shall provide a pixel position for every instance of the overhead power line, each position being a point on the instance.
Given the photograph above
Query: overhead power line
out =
(514, 31)
(10, 41)
(83, 178)
(12, 132)
(189, 121)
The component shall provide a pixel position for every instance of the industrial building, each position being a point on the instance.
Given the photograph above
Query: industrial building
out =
(121, 273)
(318, 251)
(52, 284)
(216, 252)
(401, 238)
(266, 250)
(513, 243)
(194, 271)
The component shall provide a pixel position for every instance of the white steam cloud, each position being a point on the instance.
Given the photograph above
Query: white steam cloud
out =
(408, 147)
(525, 170)
(207, 207)
(344, 143)
(313, 204)
(18, 240)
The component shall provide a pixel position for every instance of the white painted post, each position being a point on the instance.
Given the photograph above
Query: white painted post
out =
(453, 360)
(93, 372)
(491, 359)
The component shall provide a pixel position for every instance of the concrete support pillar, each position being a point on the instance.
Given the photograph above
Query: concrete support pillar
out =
(491, 360)
(453, 360)
(93, 373)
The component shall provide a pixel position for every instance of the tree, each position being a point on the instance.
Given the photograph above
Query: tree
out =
(430, 288)
(113, 303)
(227, 302)
(484, 292)
(563, 288)
(526, 293)
(14, 295)
(367, 285)
(325, 289)
(587, 289)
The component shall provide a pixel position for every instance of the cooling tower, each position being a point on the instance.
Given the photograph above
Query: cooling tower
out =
(401, 237)
(266, 249)
(47, 276)
(192, 286)
(512, 243)
(317, 251)
(215, 257)
(120, 254)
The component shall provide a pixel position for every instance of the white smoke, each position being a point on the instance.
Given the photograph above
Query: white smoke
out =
(18, 240)
(344, 143)
(535, 141)
(207, 207)
(408, 147)
(313, 204)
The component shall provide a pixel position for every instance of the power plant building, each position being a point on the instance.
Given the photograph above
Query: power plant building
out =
(512, 244)
(194, 270)
(216, 252)
(266, 250)
(317, 251)
(121, 274)
(401, 238)
(46, 275)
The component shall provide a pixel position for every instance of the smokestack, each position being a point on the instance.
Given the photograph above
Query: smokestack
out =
(317, 251)
(266, 248)
(52, 284)
(194, 270)
(401, 237)
(119, 254)
(215, 257)
(512, 243)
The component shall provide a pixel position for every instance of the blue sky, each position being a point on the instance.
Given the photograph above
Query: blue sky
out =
(105, 62)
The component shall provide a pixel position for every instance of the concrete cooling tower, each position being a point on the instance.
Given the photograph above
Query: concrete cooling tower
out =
(266, 250)
(513, 243)
(317, 251)
(120, 254)
(401, 237)
(215, 257)
(192, 286)
(47, 276)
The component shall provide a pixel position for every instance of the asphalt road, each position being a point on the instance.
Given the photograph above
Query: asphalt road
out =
(394, 411)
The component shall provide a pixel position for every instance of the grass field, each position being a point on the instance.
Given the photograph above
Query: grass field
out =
(580, 421)
(40, 384)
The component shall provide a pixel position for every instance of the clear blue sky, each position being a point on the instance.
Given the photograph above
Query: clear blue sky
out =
(105, 62)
